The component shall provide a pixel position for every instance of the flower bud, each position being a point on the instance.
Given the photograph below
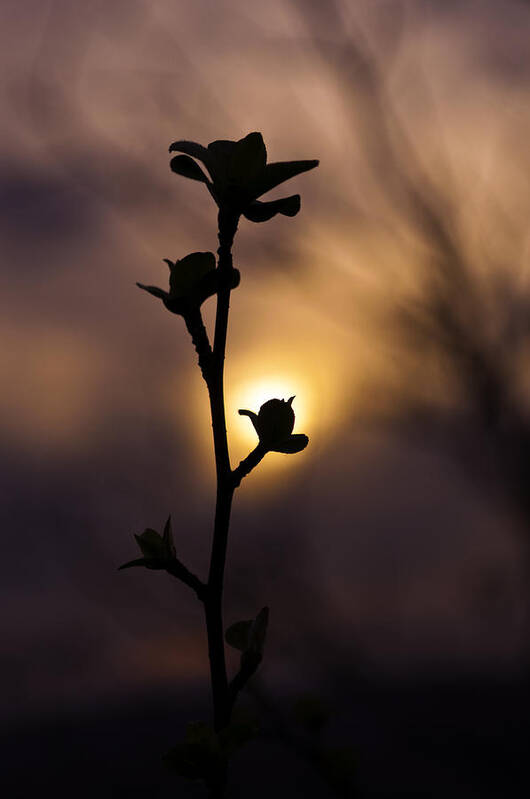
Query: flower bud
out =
(274, 425)
(192, 280)
(275, 421)
(238, 173)
(157, 550)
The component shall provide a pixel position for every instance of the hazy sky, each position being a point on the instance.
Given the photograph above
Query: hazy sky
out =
(103, 416)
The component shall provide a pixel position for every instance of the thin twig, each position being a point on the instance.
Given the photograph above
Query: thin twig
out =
(250, 662)
(247, 464)
(199, 337)
(178, 570)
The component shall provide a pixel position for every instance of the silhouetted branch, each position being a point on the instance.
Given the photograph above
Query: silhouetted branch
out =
(199, 337)
(249, 665)
(238, 174)
(225, 491)
(178, 570)
(247, 464)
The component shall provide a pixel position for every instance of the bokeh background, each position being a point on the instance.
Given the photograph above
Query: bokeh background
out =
(394, 552)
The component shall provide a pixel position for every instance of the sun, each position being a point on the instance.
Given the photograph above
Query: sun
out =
(247, 392)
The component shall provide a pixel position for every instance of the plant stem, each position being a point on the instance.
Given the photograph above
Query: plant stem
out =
(246, 465)
(199, 337)
(225, 487)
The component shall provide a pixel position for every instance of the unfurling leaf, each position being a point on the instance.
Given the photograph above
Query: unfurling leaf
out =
(295, 443)
(190, 148)
(258, 632)
(249, 636)
(148, 563)
(188, 168)
(280, 171)
(240, 174)
(237, 634)
(155, 291)
(158, 550)
(274, 424)
(152, 544)
(187, 273)
(263, 211)
(167, 538)
(192, 280)
(248, 159)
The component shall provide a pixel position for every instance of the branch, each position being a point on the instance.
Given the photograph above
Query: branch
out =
(227, 229)
(199, 337)
(249, 463)
(178, 570)
(250, 662)
(213, 603)
(174, 567)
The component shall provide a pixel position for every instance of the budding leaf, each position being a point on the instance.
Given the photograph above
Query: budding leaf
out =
(192, 280)
(188, 168)
(248, 159)
(263, 211)
(258, 632)
(186, 274)
(152, 544)
(275, 421)
(237, 635)
(137, 562)
(295, 443)
(191, 148)
(279, 171)
(167, 538)
(249, 636)
(154, 290)
(274, 424)
(158, 550)
(240, 174)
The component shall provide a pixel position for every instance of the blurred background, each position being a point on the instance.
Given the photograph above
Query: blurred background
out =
(394, 552)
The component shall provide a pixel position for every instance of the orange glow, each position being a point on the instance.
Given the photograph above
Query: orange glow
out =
(302, 354)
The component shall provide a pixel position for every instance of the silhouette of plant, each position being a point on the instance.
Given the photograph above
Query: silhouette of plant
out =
(237, 174)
